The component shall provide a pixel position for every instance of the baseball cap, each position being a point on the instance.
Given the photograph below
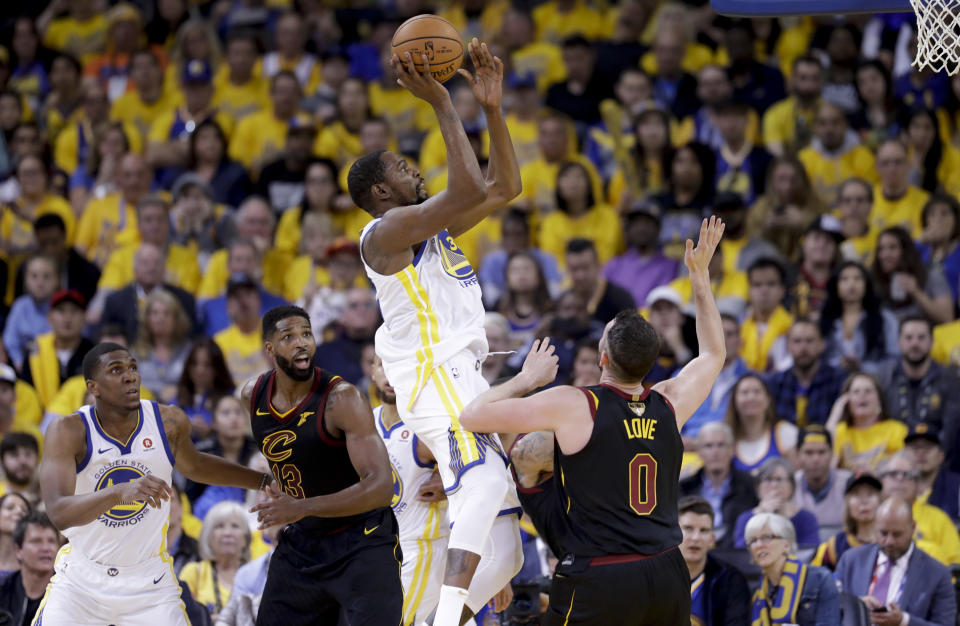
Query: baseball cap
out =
(68, 295)
(645, 208)
(829, 225)
(814, 433)
(524, 80)
(664, 292)
(302, 122)
(862, 478)
(923, 430)
(7, 375)
(197, 72)
(240, 281)
(343, 244)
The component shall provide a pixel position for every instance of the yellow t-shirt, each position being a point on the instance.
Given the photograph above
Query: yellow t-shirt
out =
(781, 120)
(239, 101)
(131, 109)
(946, 344)
(107, 224)
(242, 352)
(731, 285)
(552, 25)
(862, 449)
(490, 19)
(695, 57)
(433, 154)
(163, 123)
(479, 240)
(935, 534)
(347, 223)
(756, 347)
(83, 40)
(827, 174)
(255, 135)
(198, 576)
(66, 149)
(27, 412)
(18, 231)
(905, 211)
(539, 180)
(523, 136)
(543, 60)
(182, 268)
(215, 279)
(600, 224)
(405, 112)
(70, 395)
(300, 273)
(56, 122)
(337, 143)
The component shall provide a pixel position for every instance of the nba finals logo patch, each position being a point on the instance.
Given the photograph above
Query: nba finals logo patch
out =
(453, 260)
(122, 471)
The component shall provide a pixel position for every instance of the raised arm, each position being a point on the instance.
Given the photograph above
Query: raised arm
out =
(64, 448)
(348, 412)
(532, 457)
(202, 467)
(403, 227)
(503, 172)
(688, 389)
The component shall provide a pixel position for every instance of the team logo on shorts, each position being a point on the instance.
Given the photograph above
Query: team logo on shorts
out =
(122, 471)
(452, 258)
(397, 488)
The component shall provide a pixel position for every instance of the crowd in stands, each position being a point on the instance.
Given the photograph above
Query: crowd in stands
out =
(171, 170)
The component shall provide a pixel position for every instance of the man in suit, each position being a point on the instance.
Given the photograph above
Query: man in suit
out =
(729, 491)
(898, 581)
(123, 306)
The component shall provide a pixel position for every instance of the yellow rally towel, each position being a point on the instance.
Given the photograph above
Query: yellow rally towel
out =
(45, 369)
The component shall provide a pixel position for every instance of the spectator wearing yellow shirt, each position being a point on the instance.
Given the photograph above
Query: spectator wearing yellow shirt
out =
(98, 176)
(530, 56)
(81, 33)
(634, 94)
(62, 105)
(729, 288)
(863, 432)
(764, 329)
(933, 163)
(254, 223)
(75, 142)
(375, 135)
(896, 202)
(540, 176)
(409, 117)
(946, 344)
(242, 342)
(433, 152)
(935, 533)
(260, 136)
(562, 18)
(153, 227)
(195, 41)
(110, 222)
(331, 276)
(16, 224)
(143, 104)
(788, 124)
(290, 37)
(238, 90)
(834, 154)
(20, 409)
(340, 140)
(522, 116)
(855, 203)
(124, 37)
(713, 89)
(308, 272)
(579, 215)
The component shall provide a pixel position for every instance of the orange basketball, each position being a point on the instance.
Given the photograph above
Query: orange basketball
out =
(434, 37)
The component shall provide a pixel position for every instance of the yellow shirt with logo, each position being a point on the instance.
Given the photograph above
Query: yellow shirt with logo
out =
(66, 149)
(215, 279)
(17, 230)
(826, 174)
(243, 353)
(904, 211)
(131, 109)
(539, 180)
(756, 346)
(239, 101)
(346, 223)
(198, 576)
(554, 25)
(182, 268)
(600, 224)
(731, 285)
(337, 143)
(303, 272)
(862, 449)
(779, 123)
(256, 135)
(84, 40)
(107, 224)
(405, 112)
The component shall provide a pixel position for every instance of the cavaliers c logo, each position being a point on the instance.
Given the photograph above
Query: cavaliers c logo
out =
(452, 258)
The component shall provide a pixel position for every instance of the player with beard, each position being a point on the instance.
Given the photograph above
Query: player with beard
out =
(340, 552)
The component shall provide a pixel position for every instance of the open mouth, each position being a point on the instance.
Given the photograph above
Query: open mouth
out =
(302, 360)
(133, 392)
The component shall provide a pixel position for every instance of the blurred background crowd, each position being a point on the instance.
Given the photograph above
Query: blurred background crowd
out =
(170, 170)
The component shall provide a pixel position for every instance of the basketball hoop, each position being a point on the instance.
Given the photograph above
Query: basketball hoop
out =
(938, 35)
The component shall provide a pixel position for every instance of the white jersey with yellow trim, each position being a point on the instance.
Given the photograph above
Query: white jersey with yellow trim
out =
(127, 534)
(432, 310)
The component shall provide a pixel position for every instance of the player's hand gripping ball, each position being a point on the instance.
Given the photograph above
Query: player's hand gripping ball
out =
(434, 37)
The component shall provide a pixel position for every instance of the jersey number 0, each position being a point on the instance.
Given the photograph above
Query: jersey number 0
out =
(643, 484)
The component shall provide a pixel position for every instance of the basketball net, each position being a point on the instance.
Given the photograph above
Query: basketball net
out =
(938, 35)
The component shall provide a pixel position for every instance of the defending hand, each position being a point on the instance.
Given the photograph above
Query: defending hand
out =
(698, 259)
(540, 366)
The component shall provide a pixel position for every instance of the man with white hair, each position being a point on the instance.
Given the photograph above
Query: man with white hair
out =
(729, 491)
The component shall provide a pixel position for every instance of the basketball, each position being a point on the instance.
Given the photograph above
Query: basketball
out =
(434, 37)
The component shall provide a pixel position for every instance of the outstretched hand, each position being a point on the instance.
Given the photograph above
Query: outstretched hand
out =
(697, 259)
(422, 84)
(540, 366)
(487, 82)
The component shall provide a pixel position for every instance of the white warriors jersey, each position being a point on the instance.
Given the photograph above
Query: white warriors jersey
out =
(127, 534)
(432, 310)
(418, 520)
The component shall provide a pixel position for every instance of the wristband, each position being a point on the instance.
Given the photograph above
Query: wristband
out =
(264, 481)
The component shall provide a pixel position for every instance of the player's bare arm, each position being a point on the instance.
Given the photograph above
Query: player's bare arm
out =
(503, 171)
(64, 449)
(532, 458)
(387, 247)
(688, 389)
(202, 467)
(348, 414)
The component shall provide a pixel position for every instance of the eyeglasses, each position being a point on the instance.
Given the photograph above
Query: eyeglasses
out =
(774, 479)
(899, 475)
(763, 538)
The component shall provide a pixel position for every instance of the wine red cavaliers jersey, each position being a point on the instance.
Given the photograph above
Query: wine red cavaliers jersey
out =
(621, 489)
(305, 458)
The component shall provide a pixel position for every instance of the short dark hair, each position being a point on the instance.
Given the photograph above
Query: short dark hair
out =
(244, 34)
(91, 362)
(576, 41)
(695, 505)
(807, 59)
(71, 60)
(579, 244)
(14, 441)
(33, 518)
(766, 263)
(516, 216)
(49, 220)
(277, 313)
(284, 74)
(916, 317)
(147, 52)
(800, 321)
(366, 172)
(632, 345)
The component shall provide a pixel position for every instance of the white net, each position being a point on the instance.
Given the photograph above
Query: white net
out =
(938, 35)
